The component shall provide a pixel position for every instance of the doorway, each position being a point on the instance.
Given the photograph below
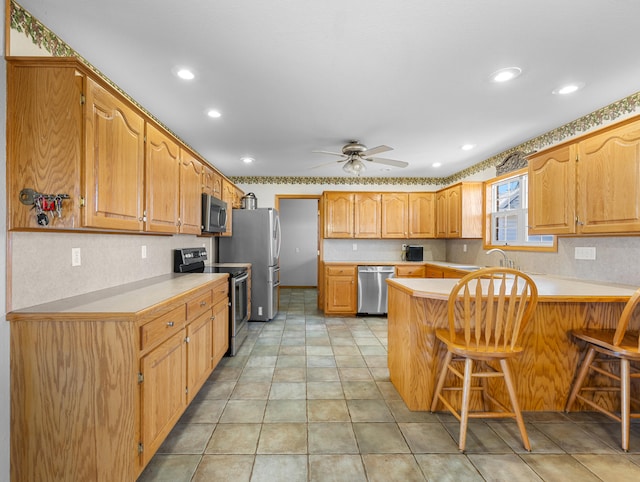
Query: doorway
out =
(300, 241)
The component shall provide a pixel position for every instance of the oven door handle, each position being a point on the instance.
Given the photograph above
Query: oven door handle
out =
(242, 277)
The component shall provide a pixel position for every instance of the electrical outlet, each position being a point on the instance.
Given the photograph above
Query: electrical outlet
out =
(355, 246)
(143, 252)
(76, 259)
(464, 248)
(585, 253)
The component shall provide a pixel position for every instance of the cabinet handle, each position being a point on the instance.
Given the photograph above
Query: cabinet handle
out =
(203, 303)
(170, 323)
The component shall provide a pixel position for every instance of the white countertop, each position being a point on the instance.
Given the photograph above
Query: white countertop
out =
(550, 289)
(128, 298)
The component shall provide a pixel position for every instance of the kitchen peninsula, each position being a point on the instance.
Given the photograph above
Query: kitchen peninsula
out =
(543, 372)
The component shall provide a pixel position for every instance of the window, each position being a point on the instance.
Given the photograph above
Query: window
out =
(506, 212)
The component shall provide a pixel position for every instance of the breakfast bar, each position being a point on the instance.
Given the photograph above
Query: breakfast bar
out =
(543, 372)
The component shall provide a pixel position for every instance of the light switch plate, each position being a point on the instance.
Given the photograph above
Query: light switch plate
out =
(143, 252)
(76, 260)
(585, 253)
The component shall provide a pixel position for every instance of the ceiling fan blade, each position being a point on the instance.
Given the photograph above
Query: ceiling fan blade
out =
(325, 164)
(376, 150)
(388, 162)
(332, 153)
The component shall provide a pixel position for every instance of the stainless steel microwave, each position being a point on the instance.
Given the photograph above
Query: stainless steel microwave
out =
(214, 214)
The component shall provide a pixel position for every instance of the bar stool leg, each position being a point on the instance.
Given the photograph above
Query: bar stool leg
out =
(514, 403)
(582, 374)
(625, 401)
(441, 379)
(466, 395)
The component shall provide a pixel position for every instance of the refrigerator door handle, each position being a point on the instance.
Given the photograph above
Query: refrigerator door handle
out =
(278, 238)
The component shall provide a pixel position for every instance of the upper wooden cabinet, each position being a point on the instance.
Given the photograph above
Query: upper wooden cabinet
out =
(422, 215)
(211, 182)
(366, 215)
(552, 191)
(459, 211)
(114, 162)
(228, 196)
(591, 186)
(395, 215)
(70, 132)
(190, 194)
(338, 214)
(375, 215)
(162, 170)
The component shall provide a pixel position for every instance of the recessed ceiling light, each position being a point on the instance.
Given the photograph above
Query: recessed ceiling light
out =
(506, 74)
(185, 74)
(467, 147)
(569, 88)
(214, 113)
(247, 160)
(436, 164)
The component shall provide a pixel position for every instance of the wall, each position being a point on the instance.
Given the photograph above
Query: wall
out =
(42, 271)
(612, 263)
(4, 326)
(299, 251)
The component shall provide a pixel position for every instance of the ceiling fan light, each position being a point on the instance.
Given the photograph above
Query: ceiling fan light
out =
(354, 166)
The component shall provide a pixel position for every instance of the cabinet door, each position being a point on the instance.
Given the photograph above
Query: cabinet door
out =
(395, 215)
(441, 215)
(220, 330)
(44, 140)
(366, 211)
(114, 162)
(211, 182)
(422, 215)
(338, 214)
(341, 293)
(454, 212)
(161, 182)
(190, 194)
(199, 353)
(609, 181)
(164, 396)
(552, 191)
(228, 196)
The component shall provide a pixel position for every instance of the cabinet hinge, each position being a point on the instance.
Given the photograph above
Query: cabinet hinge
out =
(144, 215)
(83, 99)
(82, 201)
(140, 447)
(140, 378)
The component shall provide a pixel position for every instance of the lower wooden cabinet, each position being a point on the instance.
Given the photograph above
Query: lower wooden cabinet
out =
(163, 394)
(341, 290)
(94, 394)
(407, 271)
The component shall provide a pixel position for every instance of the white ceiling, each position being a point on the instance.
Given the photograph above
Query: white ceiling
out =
(293, 76)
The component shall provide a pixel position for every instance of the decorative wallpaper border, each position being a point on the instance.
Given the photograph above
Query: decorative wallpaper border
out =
(24, 22)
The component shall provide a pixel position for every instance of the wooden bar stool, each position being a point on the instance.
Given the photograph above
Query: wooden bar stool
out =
(610, 353)
(487, 311)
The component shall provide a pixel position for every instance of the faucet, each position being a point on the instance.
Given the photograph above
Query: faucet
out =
(506, 262)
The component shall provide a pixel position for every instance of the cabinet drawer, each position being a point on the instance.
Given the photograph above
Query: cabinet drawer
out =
(411, 271)
(340, 270)
(162, 327)
(200, 304)
(220, 292)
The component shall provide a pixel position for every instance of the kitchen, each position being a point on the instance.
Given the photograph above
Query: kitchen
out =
(120, 260)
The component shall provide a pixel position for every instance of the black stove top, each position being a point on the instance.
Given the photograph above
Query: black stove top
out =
(232, 270)
(191, 260)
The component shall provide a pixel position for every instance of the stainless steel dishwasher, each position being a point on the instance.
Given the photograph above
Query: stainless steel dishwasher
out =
(372, 289)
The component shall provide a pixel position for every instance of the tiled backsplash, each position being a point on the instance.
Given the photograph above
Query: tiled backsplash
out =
(380, 249)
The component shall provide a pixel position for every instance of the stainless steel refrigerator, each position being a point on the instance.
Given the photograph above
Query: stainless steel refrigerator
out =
(256, 239)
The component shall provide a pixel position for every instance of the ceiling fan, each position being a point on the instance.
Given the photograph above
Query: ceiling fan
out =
(357, 155)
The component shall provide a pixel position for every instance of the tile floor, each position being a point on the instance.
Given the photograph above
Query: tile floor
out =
(308, 398)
